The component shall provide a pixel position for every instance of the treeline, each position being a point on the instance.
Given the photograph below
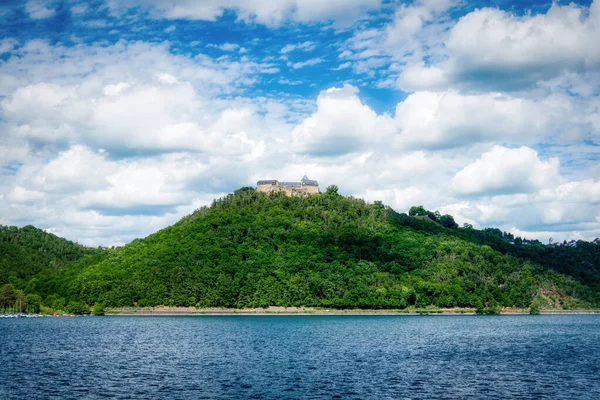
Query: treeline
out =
(253, 249)
(17, 301)
(30, 260)
(581, 263)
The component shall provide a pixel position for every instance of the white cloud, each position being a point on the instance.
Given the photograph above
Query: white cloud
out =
(285, 81)
(39, 9)
(451, 119)
(410, 21)
(305, 46)
(7, 45)
(75, 169)
(416, 31)
(495, 49)
(342, 66)
(586, 191)
(497, 43)
(225, 46)
(114, 90)
(107, 141)
(21, 195)
(506, 171)
(307, 63)
(272, 13)
(79, 9)
(418, 77)
(486, 49)
(341, 124)
(38, 62)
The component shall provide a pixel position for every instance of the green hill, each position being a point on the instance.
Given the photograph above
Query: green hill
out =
(31, 252)
(256, 250)
(30, 261)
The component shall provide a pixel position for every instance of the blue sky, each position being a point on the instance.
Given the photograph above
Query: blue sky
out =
(119, 117)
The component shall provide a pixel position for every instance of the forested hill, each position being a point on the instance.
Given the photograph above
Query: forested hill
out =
(254, 249)
(31, 252)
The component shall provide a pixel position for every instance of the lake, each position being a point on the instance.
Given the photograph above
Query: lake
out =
(273, 357)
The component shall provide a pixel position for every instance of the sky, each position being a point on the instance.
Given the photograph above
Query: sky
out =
(119, 117)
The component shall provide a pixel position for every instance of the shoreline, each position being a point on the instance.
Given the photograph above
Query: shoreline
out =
(283, 311)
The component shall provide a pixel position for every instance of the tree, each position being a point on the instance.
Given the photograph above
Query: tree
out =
(243, 189)
(7, 296)
(98, 309)
(448, 221)
(77, 307)
(59, 304)
(332, 189)
(20, 301)
(418, 211)
(534, 309)
(33, 303)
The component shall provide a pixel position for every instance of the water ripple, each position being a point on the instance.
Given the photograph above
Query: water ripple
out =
(312, 357)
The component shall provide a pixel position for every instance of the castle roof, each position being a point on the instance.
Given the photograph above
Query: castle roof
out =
(267, 182)
(291, 184)
(308, 182)
(304, 182)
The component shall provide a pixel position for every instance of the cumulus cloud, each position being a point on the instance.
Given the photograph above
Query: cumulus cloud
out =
(406, 31)
(39, 62)
(485, 49)
(419, 77)
(415, 33)
(495, 49)
(76, 169)
(448, 119)
(39, 9)
(93, 108)
(495, 44)
(341, 124)
(502, 171)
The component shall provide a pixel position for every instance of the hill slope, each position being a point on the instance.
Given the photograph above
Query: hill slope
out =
(254, 250)
(30, 252)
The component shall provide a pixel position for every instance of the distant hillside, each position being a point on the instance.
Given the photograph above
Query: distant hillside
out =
(254, 250)
(28, 252)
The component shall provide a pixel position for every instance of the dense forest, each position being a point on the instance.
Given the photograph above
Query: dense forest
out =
(252, 249)
(30, 258)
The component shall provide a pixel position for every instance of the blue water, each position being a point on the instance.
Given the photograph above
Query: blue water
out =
(409, 357)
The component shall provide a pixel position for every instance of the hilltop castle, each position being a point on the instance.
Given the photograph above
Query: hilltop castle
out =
(290, 188)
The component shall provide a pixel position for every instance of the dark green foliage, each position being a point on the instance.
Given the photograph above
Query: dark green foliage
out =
(29, 252)
(448, 221)
(7, 296)
(77, 307)
(418, 211)
(59, 304)
(254, 249)
(332, 189)
(34, 302)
